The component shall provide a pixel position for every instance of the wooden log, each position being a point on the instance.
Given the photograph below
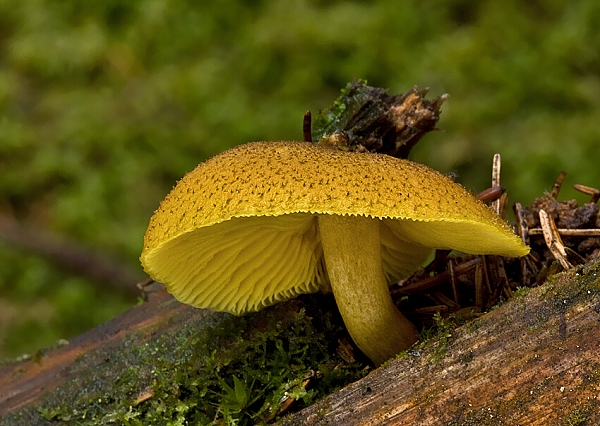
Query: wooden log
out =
(163, 355)
(533, 361)
(23, 383)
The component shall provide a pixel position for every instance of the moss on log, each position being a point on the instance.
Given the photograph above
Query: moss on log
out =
(165, 362)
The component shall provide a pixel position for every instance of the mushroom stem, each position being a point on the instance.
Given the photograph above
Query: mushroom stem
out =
(352, 251)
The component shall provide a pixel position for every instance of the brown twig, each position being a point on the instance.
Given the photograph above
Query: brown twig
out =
(307, 126)
(553, 240)
(496, 166)
(453, 283)
(479, 286)
(491, 194)
(431, 310)
(587, 233)
(430, 282)
(442, 299)
(558, 184)
(522, 227)
(593, 192)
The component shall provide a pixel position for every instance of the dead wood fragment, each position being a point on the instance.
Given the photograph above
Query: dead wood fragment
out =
(306, 127)
(569, 232)
(593, 192)
(366, 118)
(553, 240)
(491, 194)
(496, 166)
(407, 286)
(558, 184)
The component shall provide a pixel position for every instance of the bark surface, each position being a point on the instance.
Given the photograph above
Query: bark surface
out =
(533, 361)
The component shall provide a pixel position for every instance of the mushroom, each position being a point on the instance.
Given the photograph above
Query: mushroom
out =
(266, 221)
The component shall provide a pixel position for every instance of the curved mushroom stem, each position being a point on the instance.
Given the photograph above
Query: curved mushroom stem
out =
(352, 251)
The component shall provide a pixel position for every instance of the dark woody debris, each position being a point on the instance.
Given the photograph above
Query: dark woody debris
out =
(561, 234)
(366, 118)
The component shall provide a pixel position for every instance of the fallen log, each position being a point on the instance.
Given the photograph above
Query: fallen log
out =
(24, 382)
(161, 356)
(533, 361)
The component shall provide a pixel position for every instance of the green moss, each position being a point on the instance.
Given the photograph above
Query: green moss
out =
(579, 416)
(548, 286)
(437, 337)
(520, 292)
(585, 282)
(466, 358)
(230, 371)
(335, 118)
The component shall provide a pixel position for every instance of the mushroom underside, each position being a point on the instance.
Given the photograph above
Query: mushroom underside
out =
(245, 264)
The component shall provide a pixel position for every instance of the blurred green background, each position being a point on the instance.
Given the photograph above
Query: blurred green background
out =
(104, 105)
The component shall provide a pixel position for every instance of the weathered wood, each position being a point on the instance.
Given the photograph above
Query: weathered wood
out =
(366, 118)
(166, 354)
(534, 361)
(22, 383)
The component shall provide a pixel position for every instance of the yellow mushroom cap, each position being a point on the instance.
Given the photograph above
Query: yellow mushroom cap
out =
(239, 232)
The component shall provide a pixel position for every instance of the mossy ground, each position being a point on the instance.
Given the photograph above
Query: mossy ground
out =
(231, 370)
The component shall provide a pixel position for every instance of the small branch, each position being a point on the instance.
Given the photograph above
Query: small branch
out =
(430, 282)
(496, 167)
(558, 184)
(586, 233)
(307, 126)
(593, 192)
